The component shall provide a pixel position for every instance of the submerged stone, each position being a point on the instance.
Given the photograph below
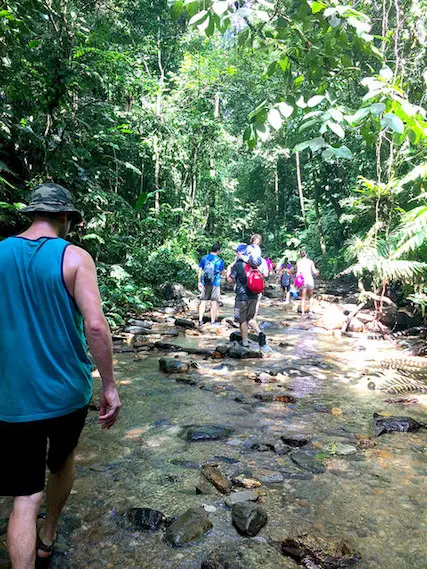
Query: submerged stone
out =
(196, 433)
(395, 424)
(188, 527)
(249, 555)
(248, 518)
(146, 518)
(295, 440)
(308, 462)
(318, 553)
(241, 496)
(172, 365)
(214, 476)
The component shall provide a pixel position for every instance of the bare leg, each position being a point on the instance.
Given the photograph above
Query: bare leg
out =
(244, 332)
(21, 533)
(311, 305)
(303, 295)
(254, 324)
(202, 310)
(288, 297)
(214, 311)
(58, 489)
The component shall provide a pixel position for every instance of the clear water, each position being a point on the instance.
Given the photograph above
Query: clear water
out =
(375, 499)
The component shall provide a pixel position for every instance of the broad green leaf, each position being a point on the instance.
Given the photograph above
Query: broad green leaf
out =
(314, 144)
(336, 114)
(284, 63)
(392, 121)
(34, 43)
(317, 143)
(285, 110)
(314, 101)
(260, 108)
(261, 15)
(342, 152)
(359, 25)
(308, 124)
(275, 119)
(302, 146)
(177, 9)
(198, 18)
(386, 73)
(358, 115)
(377, 108)
(272, 68)
(220, 7)
(336, 128)
(263, 131)
(317, 7)
(301, 103)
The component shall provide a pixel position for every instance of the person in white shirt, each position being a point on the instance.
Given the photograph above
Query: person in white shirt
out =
(307, 269)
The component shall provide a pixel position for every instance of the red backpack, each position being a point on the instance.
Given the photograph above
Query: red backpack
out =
(254, 279)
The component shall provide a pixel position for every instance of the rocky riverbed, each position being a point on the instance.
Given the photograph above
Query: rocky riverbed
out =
(265, 462)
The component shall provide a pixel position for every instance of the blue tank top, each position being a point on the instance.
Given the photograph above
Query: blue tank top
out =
(44, 368)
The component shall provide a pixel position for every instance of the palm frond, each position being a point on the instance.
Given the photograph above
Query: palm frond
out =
(412, 232)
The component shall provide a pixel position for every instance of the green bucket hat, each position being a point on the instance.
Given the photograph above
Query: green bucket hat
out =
(52, 198)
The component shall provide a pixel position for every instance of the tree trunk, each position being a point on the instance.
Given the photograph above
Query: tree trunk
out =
(276, 189)
(319, 221)
(300, 190)
(156, 145)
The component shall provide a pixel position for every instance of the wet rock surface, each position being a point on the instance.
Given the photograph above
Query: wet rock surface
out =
(318, 553)
(188, 527)
(146, 518)
(384, 425)
(172, 365)
(214, 476)
(248, 518)
(196, 433)
(250, 555)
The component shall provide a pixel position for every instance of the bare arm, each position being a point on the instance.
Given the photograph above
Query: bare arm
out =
(86, 295)
(199, 278)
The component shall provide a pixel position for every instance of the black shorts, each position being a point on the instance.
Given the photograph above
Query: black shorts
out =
(24, 451)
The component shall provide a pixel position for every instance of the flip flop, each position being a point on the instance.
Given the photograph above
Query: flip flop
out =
(40, 545)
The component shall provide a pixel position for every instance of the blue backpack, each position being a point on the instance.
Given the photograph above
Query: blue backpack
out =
(209, 272)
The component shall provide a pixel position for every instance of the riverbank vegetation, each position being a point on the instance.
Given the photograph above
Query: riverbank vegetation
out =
(177, 123)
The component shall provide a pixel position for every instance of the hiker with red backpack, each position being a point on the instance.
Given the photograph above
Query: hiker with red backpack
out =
(209, 274)
(249, 285)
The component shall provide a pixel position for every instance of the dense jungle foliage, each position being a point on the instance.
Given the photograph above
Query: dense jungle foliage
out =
(177, 123)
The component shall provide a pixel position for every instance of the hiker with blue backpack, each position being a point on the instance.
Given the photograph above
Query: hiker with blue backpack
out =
(246, 272)
(209, 274)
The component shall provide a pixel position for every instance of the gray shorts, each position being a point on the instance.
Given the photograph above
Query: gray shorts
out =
(308, 286)
(210, 292)
(245, 310)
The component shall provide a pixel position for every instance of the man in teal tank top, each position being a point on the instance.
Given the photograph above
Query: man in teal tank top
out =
(49, 300)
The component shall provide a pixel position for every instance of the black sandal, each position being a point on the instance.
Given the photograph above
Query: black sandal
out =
(40, 545)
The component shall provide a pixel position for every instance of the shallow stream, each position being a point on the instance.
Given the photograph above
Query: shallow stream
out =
(373, 499)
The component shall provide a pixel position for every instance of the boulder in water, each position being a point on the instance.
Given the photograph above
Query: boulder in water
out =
(185, 323)
(238, 351)
(197, 433)
(188, 527)
(248, 518)
(172, 365)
